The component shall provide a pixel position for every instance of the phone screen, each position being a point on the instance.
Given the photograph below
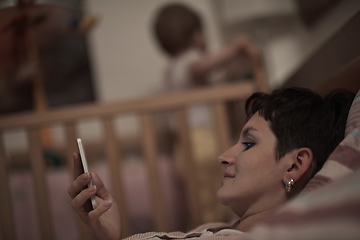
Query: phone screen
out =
(86, 168)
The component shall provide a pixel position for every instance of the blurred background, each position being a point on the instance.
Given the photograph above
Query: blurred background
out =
(116, 57)
(90, 51)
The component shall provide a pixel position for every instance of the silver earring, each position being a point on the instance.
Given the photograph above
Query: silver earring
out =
(289, 184)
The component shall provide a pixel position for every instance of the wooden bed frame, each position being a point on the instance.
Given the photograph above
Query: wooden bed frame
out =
(177, 102)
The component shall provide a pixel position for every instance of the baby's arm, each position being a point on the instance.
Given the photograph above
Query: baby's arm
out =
(200, 68)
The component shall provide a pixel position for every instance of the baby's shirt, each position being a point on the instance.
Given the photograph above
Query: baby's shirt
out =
(178, 77)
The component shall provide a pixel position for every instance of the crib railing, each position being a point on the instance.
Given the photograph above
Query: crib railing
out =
(144, 108)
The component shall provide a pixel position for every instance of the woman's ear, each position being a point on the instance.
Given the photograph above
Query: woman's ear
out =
(301, 162)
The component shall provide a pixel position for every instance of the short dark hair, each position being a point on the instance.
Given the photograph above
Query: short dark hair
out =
(174, 27)
(300, 118)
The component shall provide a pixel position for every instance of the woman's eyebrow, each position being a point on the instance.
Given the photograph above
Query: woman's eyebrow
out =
(247, 130)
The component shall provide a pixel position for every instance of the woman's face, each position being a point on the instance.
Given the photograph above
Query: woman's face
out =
(253, 176)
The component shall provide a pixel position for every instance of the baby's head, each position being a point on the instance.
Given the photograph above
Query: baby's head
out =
(178, 28)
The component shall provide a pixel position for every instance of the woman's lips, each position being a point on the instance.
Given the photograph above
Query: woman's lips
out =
(228, 175)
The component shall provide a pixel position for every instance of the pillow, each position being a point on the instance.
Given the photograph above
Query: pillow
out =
(332, 212)
(342, 161)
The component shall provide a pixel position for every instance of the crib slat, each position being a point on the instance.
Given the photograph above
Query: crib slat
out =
(257, 64)
(70, 134)
(189, 167)
(222, 126)
(115, 168)
(151, 157)
(38, 170)
(71, 147)
(6, 213)
(222, 131)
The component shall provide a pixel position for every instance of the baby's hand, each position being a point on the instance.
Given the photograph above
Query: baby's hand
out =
(244, 45)
(240, 44)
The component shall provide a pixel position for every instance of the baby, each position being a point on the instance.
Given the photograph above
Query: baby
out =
(180, 34)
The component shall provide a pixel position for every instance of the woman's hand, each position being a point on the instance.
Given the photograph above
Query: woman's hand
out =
(104, 221)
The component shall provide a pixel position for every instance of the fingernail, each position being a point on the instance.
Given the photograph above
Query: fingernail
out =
(92, 188)
(86, 176)
(107, 203)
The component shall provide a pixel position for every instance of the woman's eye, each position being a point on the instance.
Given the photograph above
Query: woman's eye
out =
(248, 145)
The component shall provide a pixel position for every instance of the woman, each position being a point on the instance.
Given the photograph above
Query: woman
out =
(288, 137)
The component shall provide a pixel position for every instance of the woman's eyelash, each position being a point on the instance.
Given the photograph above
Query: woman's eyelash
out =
(248, 145)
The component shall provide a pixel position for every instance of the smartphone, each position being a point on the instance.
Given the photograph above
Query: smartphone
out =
(86, 168)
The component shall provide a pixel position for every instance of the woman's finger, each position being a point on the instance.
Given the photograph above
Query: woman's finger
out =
(82, 198)
(100, 210)
(101, 192)
(79, 184)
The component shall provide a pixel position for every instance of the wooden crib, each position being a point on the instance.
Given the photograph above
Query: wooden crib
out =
(144, 108)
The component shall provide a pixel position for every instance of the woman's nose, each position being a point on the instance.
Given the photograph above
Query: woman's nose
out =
(226, 159)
